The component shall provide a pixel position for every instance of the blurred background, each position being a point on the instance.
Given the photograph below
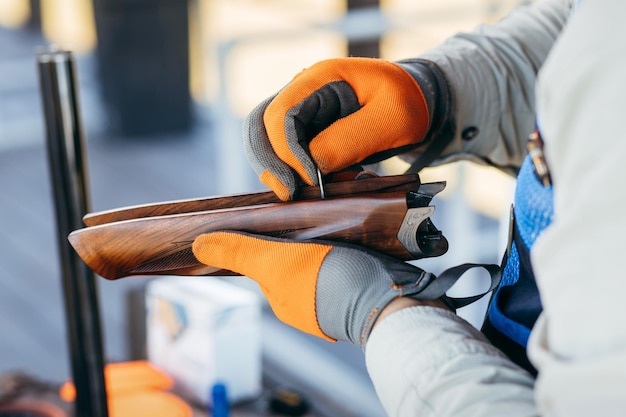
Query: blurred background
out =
(164, 86)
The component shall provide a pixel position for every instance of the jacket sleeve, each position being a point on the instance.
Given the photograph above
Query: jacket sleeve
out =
(425, 361)
(579, 345)
(491, 74)
(433, 362)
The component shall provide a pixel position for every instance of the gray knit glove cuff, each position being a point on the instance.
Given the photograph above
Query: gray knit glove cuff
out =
(354, 286)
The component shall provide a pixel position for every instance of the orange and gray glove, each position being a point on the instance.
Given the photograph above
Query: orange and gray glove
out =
(333, 291)
(342, 112)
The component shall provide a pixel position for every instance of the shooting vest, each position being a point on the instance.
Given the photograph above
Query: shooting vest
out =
(515, 305)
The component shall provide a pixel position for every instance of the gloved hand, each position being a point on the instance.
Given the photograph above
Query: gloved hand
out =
(339, 113)
(332, 291)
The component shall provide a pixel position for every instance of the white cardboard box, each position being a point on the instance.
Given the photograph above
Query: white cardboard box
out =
(203, 330)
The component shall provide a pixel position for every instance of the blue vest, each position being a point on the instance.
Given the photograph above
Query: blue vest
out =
(515, 305)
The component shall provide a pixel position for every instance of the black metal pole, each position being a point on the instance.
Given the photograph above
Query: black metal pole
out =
(59, 93)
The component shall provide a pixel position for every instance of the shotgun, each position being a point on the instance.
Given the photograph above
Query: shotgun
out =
(389, 214)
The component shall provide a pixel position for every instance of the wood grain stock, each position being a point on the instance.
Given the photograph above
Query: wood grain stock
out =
(161, 244)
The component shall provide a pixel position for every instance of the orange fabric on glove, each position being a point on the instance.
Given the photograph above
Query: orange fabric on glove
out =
(275, 185)
(290, 289)
(334, 291)
(394, 114)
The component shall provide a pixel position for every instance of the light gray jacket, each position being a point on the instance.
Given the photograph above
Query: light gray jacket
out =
(428, 362)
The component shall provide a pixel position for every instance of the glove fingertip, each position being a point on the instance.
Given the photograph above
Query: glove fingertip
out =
(199, 247)
(282, 191)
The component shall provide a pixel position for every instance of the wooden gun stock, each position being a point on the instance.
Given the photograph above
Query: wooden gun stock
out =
(387, 214)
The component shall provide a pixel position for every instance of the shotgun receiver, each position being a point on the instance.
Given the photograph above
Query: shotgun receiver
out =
(389, 214)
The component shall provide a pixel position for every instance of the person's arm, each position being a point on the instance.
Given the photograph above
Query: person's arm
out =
(427, 361)
(491, 74)
(579, 344)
